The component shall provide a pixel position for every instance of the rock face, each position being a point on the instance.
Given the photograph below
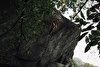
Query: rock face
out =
(50, 49)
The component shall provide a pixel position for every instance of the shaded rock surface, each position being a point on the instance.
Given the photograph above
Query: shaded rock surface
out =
(54, 49)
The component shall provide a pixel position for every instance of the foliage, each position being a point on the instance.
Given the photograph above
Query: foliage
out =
(89, 23)
(93, 13)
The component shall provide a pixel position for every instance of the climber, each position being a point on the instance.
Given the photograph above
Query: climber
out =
(53, 27)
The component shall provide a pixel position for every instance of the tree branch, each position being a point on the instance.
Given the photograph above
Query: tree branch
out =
(80, 8)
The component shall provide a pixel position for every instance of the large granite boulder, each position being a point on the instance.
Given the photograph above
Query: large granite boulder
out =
(53, 48)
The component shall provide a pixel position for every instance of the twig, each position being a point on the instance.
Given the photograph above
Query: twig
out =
(80, 9)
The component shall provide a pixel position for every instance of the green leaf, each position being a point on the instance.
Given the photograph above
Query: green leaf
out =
(80, 21)
(92, 9)
(82, 15)
(95, 32)
(96, 19)
(92, 43)
(98, 46)
(87, 48)
(87, 39)
(91, 36)
(88, 13)
(98, 26)
(90, 27)
(82, 36)
(91, 16)
(58, 5)
(77, 19)
(84, 23)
